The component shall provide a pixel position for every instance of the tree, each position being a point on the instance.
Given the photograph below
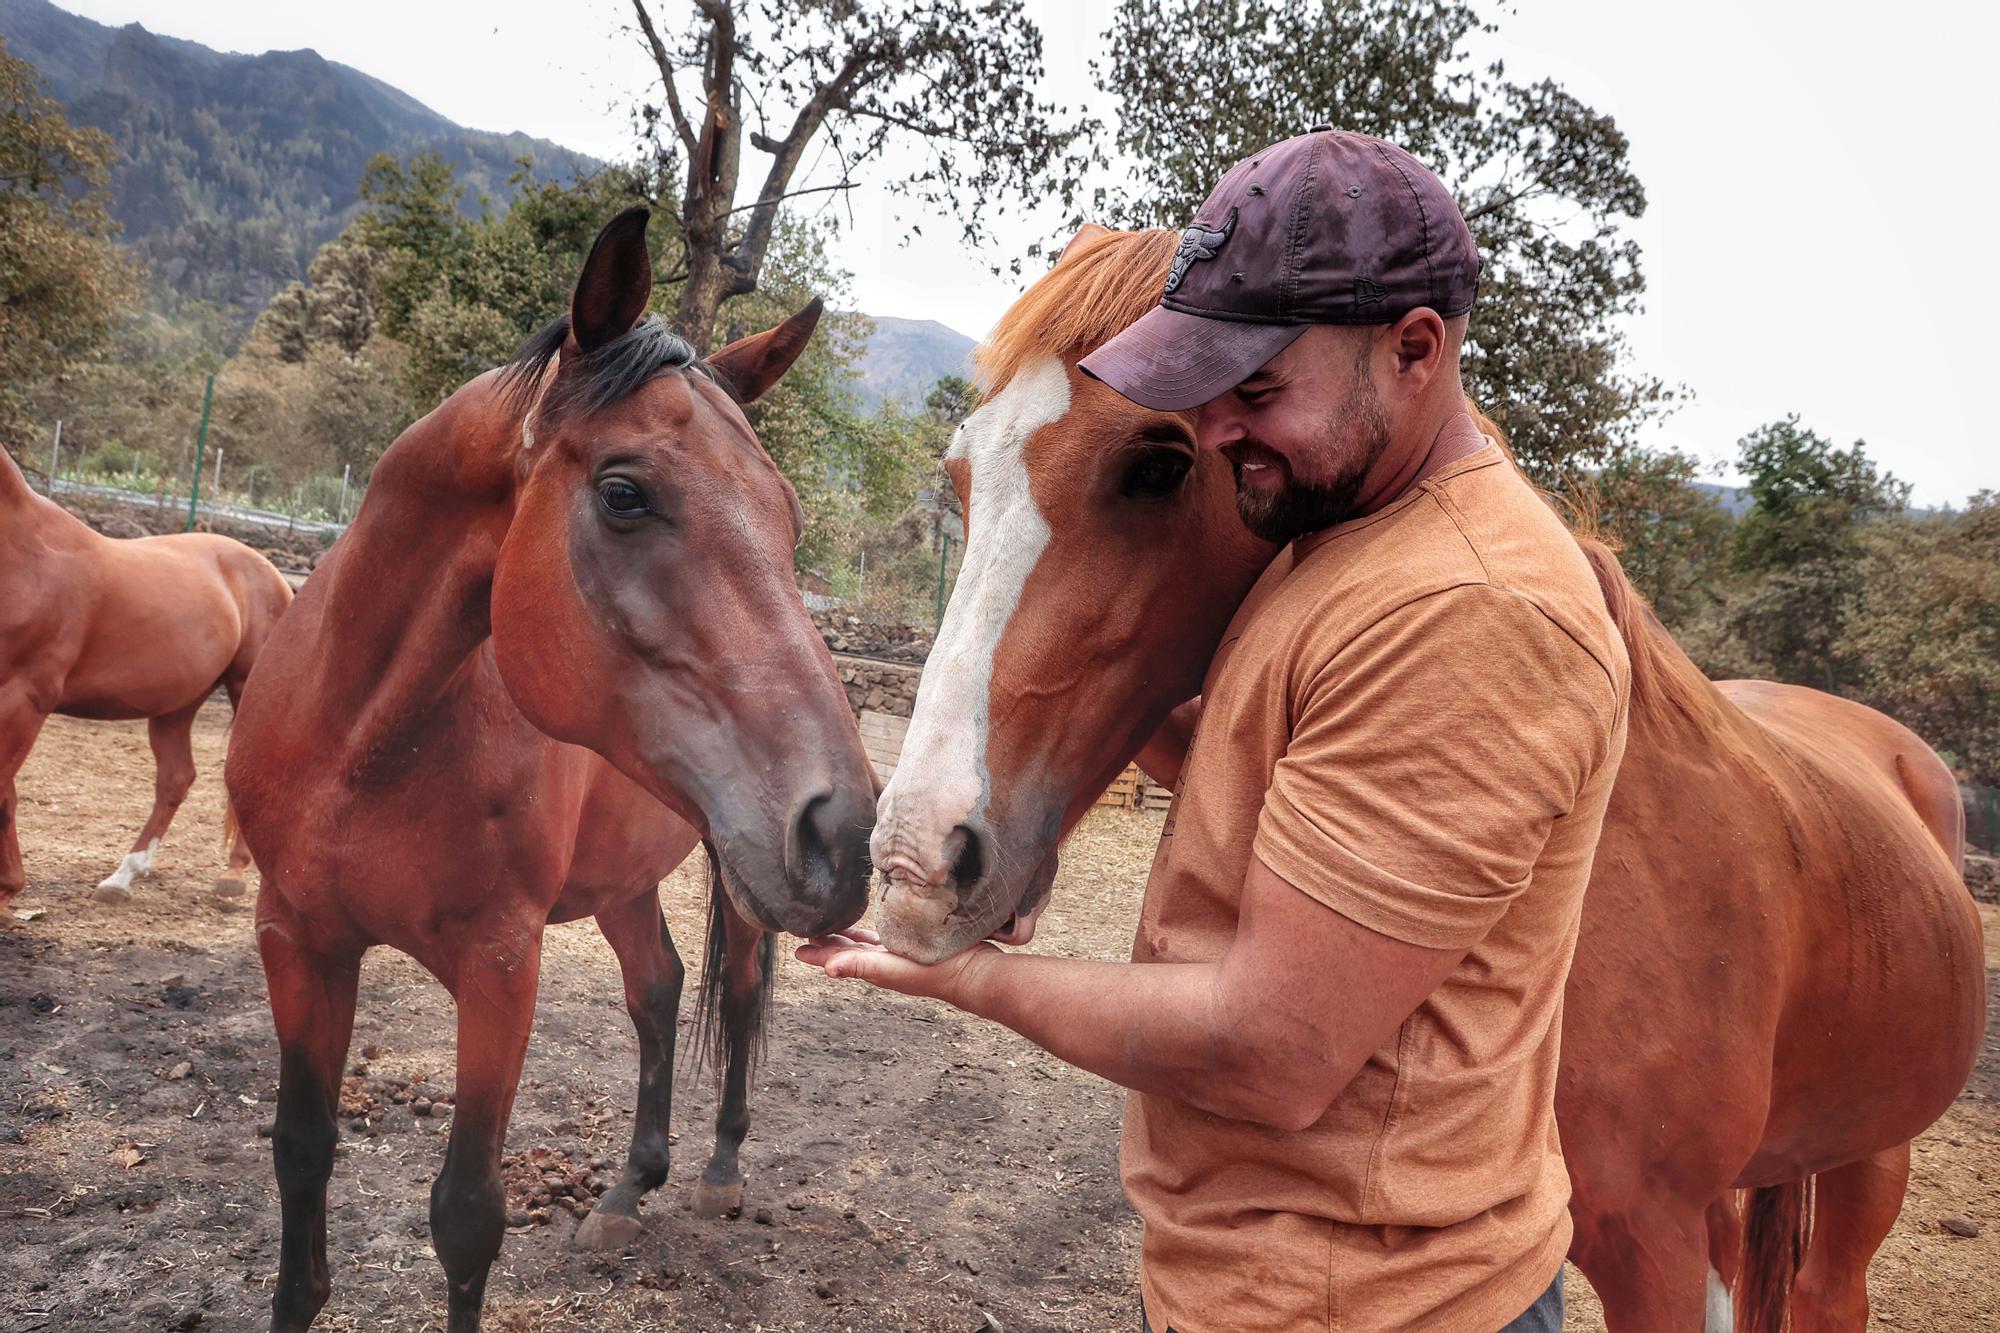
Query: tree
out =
(1800, 542)
(1923, 634)
(947, 79)
(1672, 537)
(1543, 180)
(63, 286)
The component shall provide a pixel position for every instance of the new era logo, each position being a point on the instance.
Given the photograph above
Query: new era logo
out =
(1368, 293)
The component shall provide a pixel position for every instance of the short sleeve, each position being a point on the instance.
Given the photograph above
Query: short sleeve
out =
(1430, 757)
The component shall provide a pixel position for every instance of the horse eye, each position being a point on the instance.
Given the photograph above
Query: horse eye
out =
(1155, 474)
(621, 498)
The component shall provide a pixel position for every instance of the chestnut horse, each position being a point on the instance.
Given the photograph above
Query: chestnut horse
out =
(560, 644)
(102, 627)
(1779, 981)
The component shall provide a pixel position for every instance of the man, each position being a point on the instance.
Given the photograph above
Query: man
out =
(1342, 1043)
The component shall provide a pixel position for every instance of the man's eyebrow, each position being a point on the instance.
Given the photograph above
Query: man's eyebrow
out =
(1258, 380)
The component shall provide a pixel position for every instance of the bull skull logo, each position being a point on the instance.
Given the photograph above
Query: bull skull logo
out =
(1197, 243)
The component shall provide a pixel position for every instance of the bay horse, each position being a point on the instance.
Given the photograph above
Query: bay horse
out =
(559, 645)
(1779, 981)
(119, 629)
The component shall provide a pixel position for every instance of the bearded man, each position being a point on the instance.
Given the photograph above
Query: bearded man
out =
(1341, 1024)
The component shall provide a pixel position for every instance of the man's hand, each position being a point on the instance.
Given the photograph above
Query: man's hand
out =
(859, 953)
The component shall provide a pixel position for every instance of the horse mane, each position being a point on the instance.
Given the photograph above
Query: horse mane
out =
(1102, 284)
(594, 380)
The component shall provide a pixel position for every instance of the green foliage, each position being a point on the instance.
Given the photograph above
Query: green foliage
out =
(1671, 537)
(1922, 638)
(1544, 181)
(1806, 497)
(63, 286)
(804, 82)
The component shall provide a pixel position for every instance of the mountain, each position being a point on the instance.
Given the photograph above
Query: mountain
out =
(233, 169)
(906, 357)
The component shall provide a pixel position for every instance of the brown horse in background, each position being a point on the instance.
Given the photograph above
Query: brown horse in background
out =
(109, 628)
(1779, 980)
(560, 644)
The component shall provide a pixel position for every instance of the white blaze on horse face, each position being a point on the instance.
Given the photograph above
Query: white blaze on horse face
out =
(941, 778)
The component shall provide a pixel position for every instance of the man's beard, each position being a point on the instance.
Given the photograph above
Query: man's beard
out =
(1346, 449)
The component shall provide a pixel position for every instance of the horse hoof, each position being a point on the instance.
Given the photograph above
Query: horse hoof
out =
(606, 1231)
(231, 886)
(116, 895)
(713, 1200)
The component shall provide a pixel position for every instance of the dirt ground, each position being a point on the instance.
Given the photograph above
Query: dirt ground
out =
(908, 1168)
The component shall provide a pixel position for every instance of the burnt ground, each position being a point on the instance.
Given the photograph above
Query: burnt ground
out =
(908, 1168)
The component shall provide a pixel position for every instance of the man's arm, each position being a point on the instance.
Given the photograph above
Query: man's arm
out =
(1163, 754)
(1271, 1033)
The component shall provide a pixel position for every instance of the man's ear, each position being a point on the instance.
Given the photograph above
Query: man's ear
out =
(752, 365)
(1418, 341)
(1089, 231)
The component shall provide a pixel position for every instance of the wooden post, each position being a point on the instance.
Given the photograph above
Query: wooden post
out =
(55, 458)
(340, 514)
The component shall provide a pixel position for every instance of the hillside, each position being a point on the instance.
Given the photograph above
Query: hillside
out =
(233, 169)
(906, 357)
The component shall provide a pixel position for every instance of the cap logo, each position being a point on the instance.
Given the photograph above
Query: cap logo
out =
(1197, 243)
(1368, 293)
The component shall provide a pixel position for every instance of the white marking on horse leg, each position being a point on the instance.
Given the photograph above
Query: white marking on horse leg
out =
(941, 778)
(136, 865)
(1721, 1307)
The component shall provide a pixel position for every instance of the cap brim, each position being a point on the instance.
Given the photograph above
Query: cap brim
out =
(1172, 361)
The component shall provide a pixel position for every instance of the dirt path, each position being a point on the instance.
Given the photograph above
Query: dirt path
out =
(908, 1169)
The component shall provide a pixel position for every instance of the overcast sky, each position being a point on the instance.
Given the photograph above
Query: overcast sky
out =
(1822, 183)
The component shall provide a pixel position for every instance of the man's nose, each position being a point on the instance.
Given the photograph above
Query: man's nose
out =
(1216, 426)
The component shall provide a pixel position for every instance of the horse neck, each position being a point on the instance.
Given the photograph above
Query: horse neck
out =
(26, 515)
(406, 598)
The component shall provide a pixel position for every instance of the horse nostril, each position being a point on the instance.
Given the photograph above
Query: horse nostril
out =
(968, 861)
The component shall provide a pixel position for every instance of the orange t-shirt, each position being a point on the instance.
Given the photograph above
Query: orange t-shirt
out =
(1416, 719)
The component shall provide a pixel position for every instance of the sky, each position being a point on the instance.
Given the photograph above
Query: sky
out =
(1822, 183)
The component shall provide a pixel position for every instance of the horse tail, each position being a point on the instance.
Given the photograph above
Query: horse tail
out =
(716, 1020)
(231, 830)
(1777, 1227)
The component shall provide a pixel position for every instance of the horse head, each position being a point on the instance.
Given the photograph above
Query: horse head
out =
(1103, 560)
(643, 600)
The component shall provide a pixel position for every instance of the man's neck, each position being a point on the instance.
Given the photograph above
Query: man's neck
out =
(1406, 463)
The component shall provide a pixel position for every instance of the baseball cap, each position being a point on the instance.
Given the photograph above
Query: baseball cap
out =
(1326, 228)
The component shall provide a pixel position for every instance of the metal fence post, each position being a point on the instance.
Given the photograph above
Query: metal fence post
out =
(340, 514)
(55, 457)
(200, 445)
(944, 554)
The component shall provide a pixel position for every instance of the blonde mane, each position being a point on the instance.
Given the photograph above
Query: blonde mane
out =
(1102, 284)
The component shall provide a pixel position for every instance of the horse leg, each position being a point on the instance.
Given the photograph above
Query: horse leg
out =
(1853, 1208)
(1649, 1264)
(173, 774)
(653, 973)
(741, 971)
(18, 728)
(234, 881)
(494, 985)
(312, 1004)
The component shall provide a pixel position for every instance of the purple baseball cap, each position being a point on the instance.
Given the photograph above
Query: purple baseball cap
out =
(1326, 228)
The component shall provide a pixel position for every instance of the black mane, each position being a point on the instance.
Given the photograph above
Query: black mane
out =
(595, 380)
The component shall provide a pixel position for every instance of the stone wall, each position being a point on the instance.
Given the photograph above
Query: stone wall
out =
(879, 687)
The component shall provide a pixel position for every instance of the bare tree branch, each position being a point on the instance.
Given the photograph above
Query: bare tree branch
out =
(667, 71)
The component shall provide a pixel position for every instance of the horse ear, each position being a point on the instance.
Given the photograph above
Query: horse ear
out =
(1089, 231)
(616, 283)
(752, 365)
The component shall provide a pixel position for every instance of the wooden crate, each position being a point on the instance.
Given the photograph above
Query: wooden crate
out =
(882, 738)
(1123, 793)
